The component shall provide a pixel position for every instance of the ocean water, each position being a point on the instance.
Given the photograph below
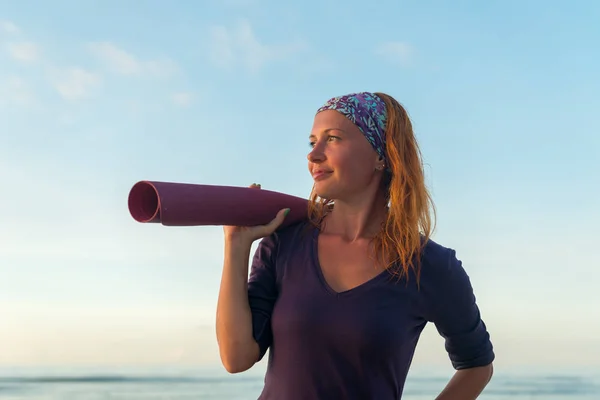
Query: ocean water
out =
(79, 384)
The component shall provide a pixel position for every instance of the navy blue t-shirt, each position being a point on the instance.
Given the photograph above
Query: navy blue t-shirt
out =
(356, 344)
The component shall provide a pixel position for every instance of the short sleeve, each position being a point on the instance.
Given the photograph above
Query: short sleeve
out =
(452, 307)
(262, 292)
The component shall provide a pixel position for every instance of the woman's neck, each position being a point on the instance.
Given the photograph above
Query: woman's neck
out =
(358, 219)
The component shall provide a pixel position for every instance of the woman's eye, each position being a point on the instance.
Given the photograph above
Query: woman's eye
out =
(329, 138)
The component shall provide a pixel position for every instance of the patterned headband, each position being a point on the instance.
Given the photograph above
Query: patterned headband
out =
(367, 111)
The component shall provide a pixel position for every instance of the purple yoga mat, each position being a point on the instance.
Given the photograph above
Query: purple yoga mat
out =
(184, 204)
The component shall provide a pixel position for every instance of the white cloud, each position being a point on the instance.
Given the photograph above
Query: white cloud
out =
(122, 62)
(399, 53)
(240, 46)
(76, 83)
(9, 27)
(222, 52)
(182, 99)
(16, 92)
(23, 51)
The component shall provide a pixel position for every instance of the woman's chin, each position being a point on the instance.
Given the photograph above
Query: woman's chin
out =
(325, 192)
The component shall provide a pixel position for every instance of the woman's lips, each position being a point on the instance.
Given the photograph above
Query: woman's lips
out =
(320, 174)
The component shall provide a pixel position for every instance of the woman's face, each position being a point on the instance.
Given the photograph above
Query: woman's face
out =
(342, 162)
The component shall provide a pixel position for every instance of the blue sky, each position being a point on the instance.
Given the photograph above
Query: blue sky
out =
(93, 98)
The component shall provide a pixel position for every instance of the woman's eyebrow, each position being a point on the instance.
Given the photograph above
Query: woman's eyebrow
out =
(325, 131)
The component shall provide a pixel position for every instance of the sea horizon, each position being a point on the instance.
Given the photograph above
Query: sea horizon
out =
(214, 383)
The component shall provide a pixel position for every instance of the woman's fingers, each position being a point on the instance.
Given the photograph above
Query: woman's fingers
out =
(275, 222)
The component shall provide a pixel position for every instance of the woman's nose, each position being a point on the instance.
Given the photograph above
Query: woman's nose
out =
(316, 154)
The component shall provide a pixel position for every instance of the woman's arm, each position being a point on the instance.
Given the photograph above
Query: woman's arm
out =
(467, 384)
(237, 347)
(451, 305)
(245, 304)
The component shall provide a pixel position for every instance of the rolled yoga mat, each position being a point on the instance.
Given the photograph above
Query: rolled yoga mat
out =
(184, 204)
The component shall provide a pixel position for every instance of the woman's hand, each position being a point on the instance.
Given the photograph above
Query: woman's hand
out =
(248, 234)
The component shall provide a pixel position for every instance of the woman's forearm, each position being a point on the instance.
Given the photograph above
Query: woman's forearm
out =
(467, 384)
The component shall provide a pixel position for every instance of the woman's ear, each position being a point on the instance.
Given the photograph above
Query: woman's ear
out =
(379, 164)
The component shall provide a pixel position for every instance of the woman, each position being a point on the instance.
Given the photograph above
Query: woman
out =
(341, 299)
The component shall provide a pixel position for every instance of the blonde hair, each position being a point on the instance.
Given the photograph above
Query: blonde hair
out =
(410, 219)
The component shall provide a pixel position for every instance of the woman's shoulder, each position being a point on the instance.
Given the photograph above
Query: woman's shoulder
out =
(434, 252)
(440, 263)
(295, 231)
(291, 234)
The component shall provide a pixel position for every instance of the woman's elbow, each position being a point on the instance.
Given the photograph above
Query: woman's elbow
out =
(240, 359)
(490, 370)
(483, 373)
(234, 366)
